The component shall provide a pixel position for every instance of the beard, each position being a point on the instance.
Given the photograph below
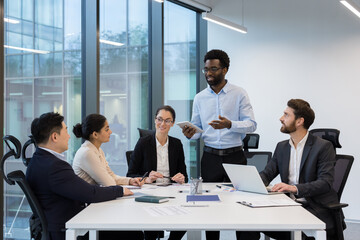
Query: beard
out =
(288, 129)
(216, 80)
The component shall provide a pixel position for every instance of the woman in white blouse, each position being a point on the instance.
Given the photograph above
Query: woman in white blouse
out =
(89, 161)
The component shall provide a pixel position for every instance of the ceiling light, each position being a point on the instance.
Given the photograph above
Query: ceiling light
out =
(111, 42)
(27, 49)
(351, 6)
(11, 20)
(212, 18)
(160, 1)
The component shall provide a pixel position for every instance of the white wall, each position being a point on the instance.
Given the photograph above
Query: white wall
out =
(297, 49)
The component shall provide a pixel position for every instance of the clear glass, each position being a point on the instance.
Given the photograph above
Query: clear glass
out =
(37, 83)
(180, 72)
(123, 76)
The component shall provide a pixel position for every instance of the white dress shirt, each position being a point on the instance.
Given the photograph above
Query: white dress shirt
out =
(295, 160)
(162, 153)
(90, 164)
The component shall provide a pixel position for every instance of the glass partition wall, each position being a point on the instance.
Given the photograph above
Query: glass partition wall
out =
(42, 41)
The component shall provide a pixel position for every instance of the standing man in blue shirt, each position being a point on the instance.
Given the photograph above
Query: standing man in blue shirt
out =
(224, 112)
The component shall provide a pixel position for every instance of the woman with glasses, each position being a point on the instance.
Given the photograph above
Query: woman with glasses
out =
(162, 157)
(159, 155)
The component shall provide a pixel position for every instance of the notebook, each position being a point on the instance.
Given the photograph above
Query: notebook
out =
(246, 178)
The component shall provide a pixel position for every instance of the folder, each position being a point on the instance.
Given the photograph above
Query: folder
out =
(151, 199)
(270, 203)
(196, 198)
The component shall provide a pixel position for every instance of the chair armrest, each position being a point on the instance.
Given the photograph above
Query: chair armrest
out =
(336, 206)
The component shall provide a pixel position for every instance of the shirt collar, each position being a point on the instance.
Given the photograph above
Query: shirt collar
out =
(301, 144)
(159, 145)
(56, 154)
(89, 144)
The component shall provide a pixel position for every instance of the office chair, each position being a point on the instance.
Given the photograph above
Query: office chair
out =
(329, 134)
(251, 141)
(128, 156)
(258, 159)
(25, 159)
(37, 222)
(342, 169)
(145, 132)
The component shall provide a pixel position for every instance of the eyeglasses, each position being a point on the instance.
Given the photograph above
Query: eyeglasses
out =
(212, 69)
(161, 120)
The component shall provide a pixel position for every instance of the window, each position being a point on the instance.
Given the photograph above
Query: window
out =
(123, 75)
(36, 83)
(180, 71)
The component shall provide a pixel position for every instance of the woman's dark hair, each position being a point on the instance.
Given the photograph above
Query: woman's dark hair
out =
(166, 108)
(43, 126)
(92, 123)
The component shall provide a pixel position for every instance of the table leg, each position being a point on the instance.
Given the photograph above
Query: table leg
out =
(93, 235)
(193, 235)
(296, 235)
(71, 234)
(317, 234)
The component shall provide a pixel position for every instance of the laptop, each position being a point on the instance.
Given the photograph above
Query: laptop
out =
(246, 178)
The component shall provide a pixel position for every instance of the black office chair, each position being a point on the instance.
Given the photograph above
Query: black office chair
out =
(258, 159)
(145, 132)
(329, 134)
(342, 169)
(37, 222)
(251, 141)
(128, 156)
(25, 159)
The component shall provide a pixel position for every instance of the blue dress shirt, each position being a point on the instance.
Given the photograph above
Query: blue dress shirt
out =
(233, 103)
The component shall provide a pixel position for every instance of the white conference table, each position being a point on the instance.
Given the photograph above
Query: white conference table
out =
(126, 214)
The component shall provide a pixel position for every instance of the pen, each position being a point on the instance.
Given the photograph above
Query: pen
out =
(144, 176)
(218, 186)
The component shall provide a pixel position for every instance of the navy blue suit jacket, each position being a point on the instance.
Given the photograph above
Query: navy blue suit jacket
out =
(316, 174)
(60, 191)
(144, 157)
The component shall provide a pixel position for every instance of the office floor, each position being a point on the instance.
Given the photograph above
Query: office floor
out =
(352, 232)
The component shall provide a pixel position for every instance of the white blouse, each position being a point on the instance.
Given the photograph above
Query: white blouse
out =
(90, 164)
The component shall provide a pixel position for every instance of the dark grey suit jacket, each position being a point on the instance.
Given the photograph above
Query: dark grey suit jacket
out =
(316, 174)
(144, 157)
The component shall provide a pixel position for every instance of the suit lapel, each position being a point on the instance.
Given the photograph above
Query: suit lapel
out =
(285, 163)
(171, 153)
(306, 151)
(153, 153)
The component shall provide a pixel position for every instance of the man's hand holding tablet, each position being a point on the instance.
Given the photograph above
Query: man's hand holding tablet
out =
(189, 129)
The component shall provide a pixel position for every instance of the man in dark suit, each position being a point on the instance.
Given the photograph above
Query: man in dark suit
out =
(61, 193)
(305, 164)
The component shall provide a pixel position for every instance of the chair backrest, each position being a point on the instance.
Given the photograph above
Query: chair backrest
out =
(251, 141)
(329, 134)
(25, 159)
(36, 230)
(258, 159)
(19, 177)
(145, 132)
(128, 157)
(342, 169)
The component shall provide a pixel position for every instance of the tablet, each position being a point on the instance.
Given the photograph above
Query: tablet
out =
(186, 123)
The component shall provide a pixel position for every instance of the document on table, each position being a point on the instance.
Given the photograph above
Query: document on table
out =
(157, 211)
(269, 203)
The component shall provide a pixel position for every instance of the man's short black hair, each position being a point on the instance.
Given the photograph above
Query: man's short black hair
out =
(220, 55)
(302, 109)
(43, 126)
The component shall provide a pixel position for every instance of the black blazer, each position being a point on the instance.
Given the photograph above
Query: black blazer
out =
(144, 157)
(60, 191)
(316, 174)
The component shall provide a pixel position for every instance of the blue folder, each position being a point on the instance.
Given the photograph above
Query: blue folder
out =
(196, 198)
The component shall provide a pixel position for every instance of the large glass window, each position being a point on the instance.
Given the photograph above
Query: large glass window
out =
(180, 71)
(38, 82)
(123, 75)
